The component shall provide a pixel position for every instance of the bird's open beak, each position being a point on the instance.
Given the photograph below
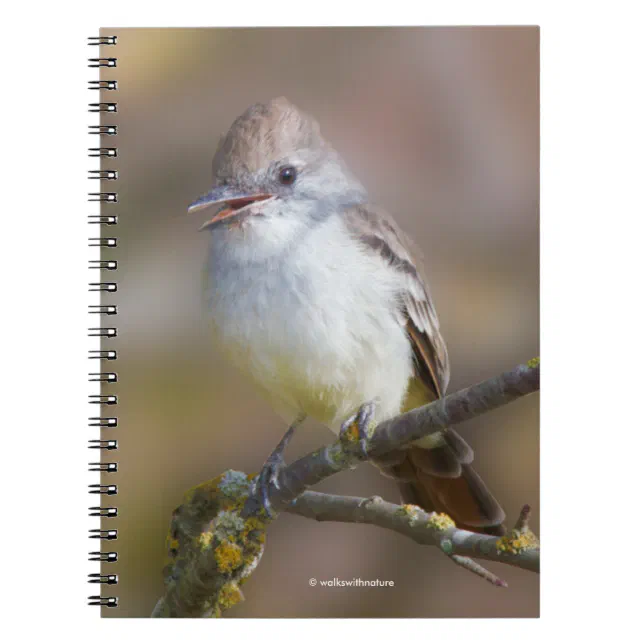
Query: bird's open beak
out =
(226, 202)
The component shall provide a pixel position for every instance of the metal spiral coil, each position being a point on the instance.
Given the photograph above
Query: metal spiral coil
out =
(102, 332)
(106, 175)
(100, 511)
(102, 241)
(107, 490)
(101, 62)
(103, 376)
(101, 40)
(103, 400)
(102, 107)
(109, 85)
(105, 198)
(104, 467)
(109, 130)
(109, 535)
(104, 309)
(110, 602)
(100, 421)
(106, 287)
(102, 152)
(102, 355)
(103, 444)
(97, 578)
(108, 557)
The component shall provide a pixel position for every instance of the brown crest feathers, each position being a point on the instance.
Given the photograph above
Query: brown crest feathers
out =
(264, 133)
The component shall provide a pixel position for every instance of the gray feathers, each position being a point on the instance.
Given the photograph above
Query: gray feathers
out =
(379, 233)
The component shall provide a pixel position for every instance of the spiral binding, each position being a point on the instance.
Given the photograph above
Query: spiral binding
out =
(106, 199)
(103, 152)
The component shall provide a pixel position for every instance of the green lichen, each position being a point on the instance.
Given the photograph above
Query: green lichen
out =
(234, 485)
(447, 546)
(228, 523)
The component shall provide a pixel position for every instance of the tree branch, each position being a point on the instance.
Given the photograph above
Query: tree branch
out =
(217, 535)
(403, 429)
(427, 529)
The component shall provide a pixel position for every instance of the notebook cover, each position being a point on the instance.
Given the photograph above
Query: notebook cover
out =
(441, 127)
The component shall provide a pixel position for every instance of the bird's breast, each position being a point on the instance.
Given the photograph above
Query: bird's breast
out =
(316, 331)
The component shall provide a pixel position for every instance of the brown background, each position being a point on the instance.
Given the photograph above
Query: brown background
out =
(442, 126)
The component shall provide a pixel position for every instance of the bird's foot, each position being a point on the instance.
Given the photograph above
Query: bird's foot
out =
(357, 428)
(268, 477)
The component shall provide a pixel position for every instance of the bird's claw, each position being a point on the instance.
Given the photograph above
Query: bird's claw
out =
(268, 477)
(356, 428)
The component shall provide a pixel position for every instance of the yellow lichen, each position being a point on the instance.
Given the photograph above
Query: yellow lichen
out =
(229, 595)
(534, 362)
(408, 510)
(172, 550)
(205, 539)
(440, 521)
(411, 512)
(253, 524)
(228, 556)
(516, 541)
(172, 544)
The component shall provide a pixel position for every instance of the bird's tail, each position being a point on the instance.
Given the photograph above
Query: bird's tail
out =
(442, 479)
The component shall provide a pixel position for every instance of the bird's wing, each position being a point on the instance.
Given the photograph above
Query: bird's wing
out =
(439, 477)
(379, 233)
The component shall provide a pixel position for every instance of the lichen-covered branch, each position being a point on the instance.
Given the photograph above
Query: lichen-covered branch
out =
(211, 548)
(520, 548)
(217, 535)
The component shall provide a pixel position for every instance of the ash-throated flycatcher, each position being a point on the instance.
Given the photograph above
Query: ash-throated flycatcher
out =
(317, 299)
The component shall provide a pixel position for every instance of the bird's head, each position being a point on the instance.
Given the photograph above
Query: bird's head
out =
(274, 178)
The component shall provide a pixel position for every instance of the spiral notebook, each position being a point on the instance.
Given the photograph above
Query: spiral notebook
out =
(324, 229)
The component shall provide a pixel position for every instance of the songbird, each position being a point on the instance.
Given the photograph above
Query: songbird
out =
(316, 298)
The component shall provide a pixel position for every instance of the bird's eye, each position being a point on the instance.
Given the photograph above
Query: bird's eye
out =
(287, 175)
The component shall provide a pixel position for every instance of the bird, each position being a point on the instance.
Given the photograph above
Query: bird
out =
(317, 296)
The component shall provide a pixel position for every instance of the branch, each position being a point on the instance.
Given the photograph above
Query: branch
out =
(403, 429)
(520, 548)
(217, 535)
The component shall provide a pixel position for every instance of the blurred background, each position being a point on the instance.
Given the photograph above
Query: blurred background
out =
(442, 127)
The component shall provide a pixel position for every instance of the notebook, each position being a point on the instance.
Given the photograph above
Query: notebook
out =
(334, 232)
